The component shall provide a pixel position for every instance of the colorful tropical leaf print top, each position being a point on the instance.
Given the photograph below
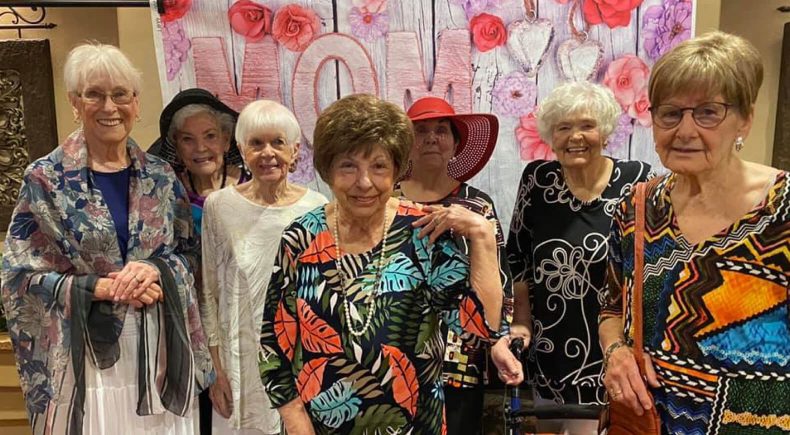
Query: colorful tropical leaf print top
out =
(389, 379)
(715, 314)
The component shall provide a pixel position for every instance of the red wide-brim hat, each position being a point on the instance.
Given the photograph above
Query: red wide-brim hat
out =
(478, 131)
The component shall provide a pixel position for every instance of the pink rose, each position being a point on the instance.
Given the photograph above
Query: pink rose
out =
(488, 31)
(295, 27)
(531, 146)
(175, 9)
(640, 109)
(627, 76)
(614, 13)
(250, 19)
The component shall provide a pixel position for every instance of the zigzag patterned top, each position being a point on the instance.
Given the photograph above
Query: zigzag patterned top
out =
(716, 320)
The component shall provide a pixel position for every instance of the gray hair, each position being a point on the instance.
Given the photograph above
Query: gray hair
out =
(262, 114)
(89, 60)
(572, 98)
(224, 121)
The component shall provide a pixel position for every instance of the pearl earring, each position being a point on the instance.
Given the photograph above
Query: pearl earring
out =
(738, 143)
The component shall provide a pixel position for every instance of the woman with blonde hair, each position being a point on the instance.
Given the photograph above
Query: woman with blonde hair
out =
(97, 272)
(241, 227)
(716, 256)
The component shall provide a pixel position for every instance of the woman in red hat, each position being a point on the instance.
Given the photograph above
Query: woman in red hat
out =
(449, 149)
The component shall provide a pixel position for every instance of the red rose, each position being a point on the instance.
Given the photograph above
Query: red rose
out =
(250, 20)
(614, 13)
(488, 31)
(295, 27)
(175, 9)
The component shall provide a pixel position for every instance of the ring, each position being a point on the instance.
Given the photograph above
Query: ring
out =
(616, 393)
(135, 278)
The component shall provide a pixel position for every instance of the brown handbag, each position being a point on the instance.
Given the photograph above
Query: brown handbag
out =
(619, 418)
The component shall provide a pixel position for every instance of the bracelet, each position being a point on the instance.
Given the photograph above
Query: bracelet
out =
(610, 350)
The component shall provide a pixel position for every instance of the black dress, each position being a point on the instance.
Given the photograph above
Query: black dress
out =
(558, 246)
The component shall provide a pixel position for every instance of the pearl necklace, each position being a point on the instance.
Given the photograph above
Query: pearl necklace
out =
(371, 298)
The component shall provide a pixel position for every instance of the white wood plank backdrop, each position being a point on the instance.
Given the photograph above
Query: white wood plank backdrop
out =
(427, 19)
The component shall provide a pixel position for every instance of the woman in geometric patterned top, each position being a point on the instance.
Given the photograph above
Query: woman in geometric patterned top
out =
(716, 257)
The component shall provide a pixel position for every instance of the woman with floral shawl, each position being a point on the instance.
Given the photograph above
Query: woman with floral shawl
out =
(97, 280)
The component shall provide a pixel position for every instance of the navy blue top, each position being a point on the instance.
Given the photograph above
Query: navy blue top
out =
(114, 187)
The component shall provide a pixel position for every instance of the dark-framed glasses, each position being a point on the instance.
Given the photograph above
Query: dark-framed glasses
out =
(706, 115)
(118, 96)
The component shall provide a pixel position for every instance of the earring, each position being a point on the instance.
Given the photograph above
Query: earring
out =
(452, 159)
(738, 143)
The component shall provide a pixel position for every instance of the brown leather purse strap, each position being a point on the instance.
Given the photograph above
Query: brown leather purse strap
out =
(639, 264)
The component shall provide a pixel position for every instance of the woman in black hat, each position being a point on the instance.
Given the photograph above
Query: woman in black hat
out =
(197, 140)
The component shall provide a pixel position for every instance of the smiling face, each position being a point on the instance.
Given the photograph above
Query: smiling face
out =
(362, 183)
(103, 121)
(576, 140)
(201, 144)
(268, 155)
(434, 144)
(690, 149)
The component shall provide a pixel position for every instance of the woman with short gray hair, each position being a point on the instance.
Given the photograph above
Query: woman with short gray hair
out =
(97, 272)
(241, 228)
(557, 246)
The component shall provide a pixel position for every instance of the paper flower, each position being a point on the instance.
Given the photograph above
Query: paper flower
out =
(613, 13)
(175, 9)
(488, 32)
(627, 77)
(531, 146)
(514, 95)
(640, 109)
(176, 46)
(304, 172)
(250, 19)
(474, 7)
(666, 26)
(621, 133)
(368, 25)
(295, 27)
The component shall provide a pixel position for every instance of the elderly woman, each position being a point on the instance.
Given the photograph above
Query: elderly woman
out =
(96, 275)
(557, 245)
(715, 305)
(238, 256)
(445, 144)
(197, 140)
(351, 334)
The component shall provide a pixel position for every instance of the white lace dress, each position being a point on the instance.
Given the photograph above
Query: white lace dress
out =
(240, 241)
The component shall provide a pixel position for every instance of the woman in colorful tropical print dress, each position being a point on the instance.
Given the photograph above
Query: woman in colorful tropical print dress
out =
(100, 235)
(351, 336)
(449, 149)
(557, 247)
(716, 257)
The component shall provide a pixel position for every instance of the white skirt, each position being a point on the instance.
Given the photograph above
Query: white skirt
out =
(111, 396)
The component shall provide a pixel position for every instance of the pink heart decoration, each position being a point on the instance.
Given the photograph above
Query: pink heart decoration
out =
(528, 42)
(579, 60)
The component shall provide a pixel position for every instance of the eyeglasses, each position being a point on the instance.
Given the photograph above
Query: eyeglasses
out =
(706, 115)
(120, 97)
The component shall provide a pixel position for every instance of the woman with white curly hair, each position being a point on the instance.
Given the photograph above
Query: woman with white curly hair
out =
(557, 247)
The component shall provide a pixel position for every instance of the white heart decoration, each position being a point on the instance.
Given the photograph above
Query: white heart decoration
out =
(579, 60)
(528, 42)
